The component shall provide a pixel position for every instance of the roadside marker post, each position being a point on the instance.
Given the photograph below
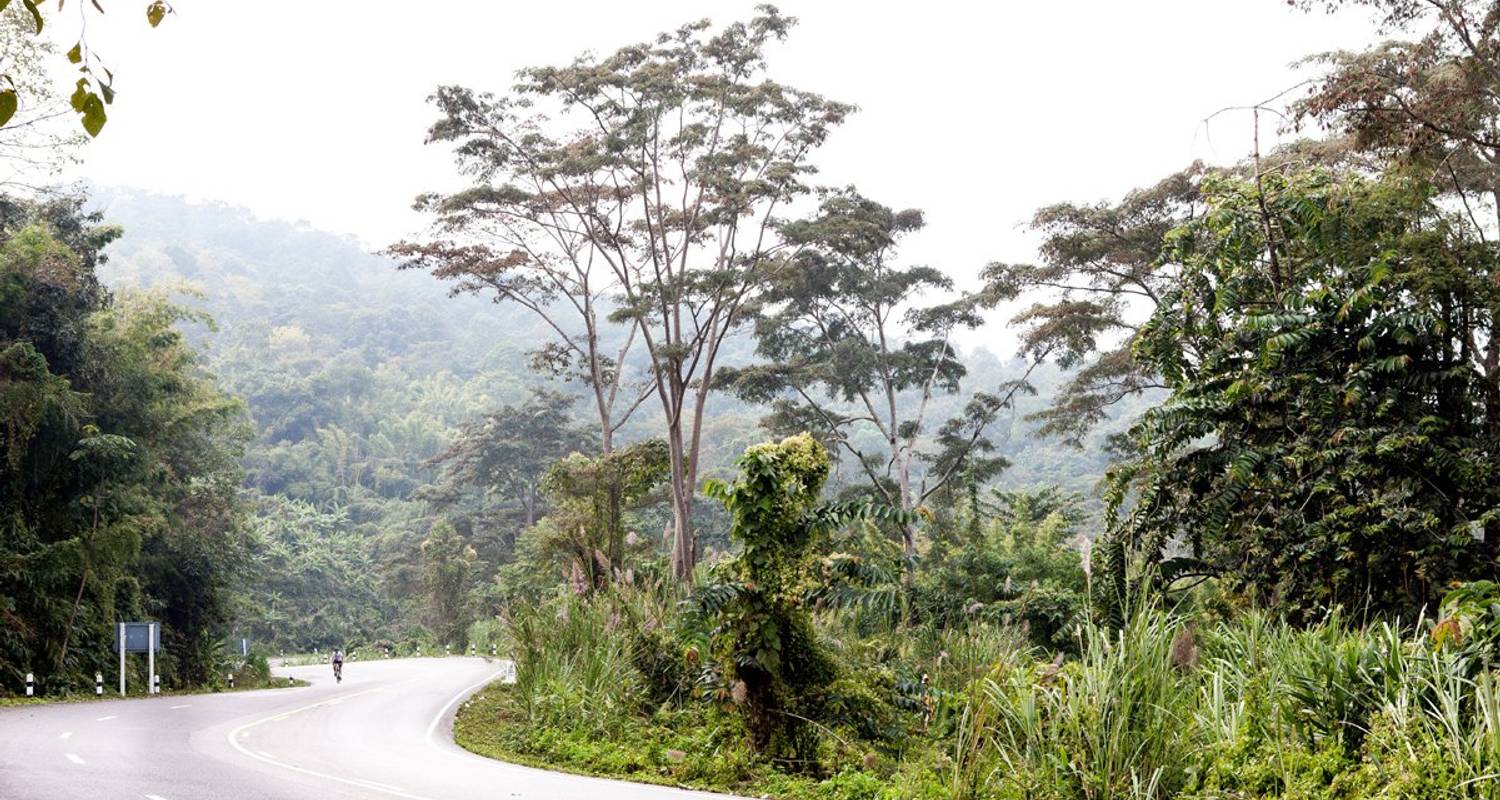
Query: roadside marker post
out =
(30, 684)
(99, 683)
(492, 650)
(471, 648)
(231, 680)
(447, 649)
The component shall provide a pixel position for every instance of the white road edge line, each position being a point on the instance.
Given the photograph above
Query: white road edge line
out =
(234, 740)
(432, 727)
(65, 735)
(73, 757)
(155, 797)
(182, 706)
(106, 719)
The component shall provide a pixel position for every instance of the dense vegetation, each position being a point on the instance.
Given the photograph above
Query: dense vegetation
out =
(1226, 527)
(122, 473)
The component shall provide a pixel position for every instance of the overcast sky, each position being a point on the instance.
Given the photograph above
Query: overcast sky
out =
(977, 113)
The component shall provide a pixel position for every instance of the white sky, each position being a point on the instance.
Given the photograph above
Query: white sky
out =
(977, 113)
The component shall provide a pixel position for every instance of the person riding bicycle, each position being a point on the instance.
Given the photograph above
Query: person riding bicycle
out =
(338, 666)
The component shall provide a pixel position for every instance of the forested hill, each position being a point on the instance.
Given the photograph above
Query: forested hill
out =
(355, 374)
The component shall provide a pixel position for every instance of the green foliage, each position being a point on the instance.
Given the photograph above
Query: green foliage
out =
(591, 497)
(1328, 441)
(447, 568)
(847, 334)
(314, 583)
(95, 88)
(118, 495)
(738, 147)
(765, 636)
(1018, 568)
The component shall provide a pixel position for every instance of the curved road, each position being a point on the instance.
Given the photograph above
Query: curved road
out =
(386, 731)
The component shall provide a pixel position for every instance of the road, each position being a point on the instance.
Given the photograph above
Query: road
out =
(386, 731)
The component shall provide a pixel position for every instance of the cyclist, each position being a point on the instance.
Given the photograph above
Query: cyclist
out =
(338, 666)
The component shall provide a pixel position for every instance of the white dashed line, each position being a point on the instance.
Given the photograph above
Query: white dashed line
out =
(106, 719)
(155, 797)
(65, 735)
(73, 757)
(184, 706)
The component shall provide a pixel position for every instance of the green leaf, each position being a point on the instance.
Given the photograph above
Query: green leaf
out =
(80, 95)
(156, 12)
(36, 13)
(75, 55)
(93, 114)
(8, 104)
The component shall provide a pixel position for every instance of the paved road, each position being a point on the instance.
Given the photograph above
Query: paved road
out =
(386, 731)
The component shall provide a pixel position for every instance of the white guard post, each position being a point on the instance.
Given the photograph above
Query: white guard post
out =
(122, 659)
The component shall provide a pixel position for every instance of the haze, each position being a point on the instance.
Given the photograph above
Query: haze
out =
(976, 113)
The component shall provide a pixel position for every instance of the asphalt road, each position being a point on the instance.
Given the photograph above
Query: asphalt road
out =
(386, 731)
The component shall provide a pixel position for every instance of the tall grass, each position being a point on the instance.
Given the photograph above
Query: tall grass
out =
(573, 665)
(1245, 709)
(1161, 708)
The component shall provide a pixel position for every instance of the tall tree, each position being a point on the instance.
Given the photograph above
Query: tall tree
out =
(447, 566)
(1101, 273)
(848, 340)
(1431, 103)
(1331, 436)
(506, 454)
(666, 161)
(118, 491)
(538, 262)
(590, 498)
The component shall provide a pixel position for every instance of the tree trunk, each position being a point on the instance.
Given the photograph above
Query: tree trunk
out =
(682, 500)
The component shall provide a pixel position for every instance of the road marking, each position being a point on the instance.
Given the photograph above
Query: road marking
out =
(73, 757)
(236, 734)
(184, 706)
(431, 727)
(385, 786)
(106, 719)
(155, 797)
(267, 755)
(65, 735)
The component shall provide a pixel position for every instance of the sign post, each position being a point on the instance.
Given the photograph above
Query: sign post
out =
(139, 637)
(151, 688)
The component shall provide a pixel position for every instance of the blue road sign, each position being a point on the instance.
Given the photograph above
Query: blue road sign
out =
(138, 638)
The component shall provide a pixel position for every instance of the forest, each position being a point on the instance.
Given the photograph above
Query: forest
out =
(1212, 509)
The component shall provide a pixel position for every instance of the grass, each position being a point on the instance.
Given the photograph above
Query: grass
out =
(1166, 708)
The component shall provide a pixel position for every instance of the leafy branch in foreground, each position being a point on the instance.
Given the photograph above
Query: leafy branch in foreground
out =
(95, 86)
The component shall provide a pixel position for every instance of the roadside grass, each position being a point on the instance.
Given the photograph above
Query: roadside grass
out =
(685, 748)
(1167, 707)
